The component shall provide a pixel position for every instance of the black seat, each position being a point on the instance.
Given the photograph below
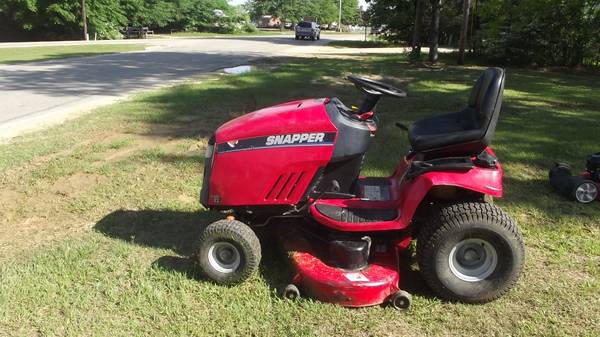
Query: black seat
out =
(466, 132)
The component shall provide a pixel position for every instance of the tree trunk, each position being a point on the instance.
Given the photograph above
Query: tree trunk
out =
(84, 18)
(472, 30)
(463, 32)
(434, 31)
(416, 38)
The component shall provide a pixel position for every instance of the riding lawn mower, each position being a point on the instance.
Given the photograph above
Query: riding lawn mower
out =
(295, 168)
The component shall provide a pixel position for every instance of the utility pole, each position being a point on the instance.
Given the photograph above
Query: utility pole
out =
(84, 17)
(340, 18)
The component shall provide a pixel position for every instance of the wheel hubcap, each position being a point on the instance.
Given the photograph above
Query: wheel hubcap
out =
(586, 192)
(224, 257)
(473, 260)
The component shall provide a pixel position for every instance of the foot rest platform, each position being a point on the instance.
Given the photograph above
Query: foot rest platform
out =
(357, 215)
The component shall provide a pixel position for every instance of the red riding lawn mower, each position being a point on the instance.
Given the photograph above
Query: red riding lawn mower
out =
(301, 161)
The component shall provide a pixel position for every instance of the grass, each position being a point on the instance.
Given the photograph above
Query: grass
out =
(31, 54)
(224, 35)
(99, 214)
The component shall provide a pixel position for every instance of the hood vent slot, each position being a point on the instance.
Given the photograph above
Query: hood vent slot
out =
(285, 186)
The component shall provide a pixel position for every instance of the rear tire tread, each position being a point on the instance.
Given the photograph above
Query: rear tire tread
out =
(450, 217)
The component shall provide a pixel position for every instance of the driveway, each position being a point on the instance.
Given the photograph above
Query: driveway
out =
(39, 93)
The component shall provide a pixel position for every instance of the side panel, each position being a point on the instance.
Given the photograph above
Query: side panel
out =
(276, 176)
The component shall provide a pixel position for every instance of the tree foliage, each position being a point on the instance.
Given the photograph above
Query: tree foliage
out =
(540, 32)
(325, 11)
(53, 19)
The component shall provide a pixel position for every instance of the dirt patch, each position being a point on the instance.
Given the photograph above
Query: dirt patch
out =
(76, 184)
(7, 197)
(186, 199)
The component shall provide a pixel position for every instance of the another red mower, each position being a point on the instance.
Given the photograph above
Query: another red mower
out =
(297, 165)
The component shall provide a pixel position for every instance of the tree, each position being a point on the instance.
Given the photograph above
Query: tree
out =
(325, 11)
(463, 32)
(393, 19)
(350, 12)
(84, 19)
(434, 30)
(416, 38)
(540, 32)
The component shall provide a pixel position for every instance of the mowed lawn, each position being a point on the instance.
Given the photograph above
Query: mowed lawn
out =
(99, 215)
(44, 53)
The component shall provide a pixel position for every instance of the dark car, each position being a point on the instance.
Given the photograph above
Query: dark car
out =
(306, 29)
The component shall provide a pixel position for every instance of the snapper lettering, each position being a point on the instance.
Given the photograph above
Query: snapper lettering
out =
(296, 138)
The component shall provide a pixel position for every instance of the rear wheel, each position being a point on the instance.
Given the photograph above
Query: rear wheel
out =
(470, 252)
(228, 252)
(585, 191)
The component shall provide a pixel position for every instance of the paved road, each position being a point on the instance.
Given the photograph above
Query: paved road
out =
(38, 93)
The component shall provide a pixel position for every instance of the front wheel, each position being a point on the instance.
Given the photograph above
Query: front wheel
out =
(470, 252)
(228, 252)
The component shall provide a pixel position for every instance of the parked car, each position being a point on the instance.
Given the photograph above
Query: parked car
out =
(306, 29)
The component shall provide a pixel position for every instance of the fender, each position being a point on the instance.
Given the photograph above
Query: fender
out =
(487, 181)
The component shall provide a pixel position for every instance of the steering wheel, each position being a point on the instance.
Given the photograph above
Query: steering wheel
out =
(376, 88)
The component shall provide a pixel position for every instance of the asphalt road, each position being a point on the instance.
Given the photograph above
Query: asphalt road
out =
(40, 93)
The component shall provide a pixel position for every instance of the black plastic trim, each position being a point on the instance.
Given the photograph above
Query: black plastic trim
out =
(441, 164)
(206, 176)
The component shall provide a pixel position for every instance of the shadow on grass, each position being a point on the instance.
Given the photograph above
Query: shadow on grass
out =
(545, 115)
(179, 232)
(163, 229)
(364, 44)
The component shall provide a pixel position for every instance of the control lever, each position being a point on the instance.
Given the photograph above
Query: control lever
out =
(333, 192)
(401, 126)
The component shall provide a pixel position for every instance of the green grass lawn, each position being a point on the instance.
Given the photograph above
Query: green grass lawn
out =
(207, 34)
(31, 54)
(99, 214)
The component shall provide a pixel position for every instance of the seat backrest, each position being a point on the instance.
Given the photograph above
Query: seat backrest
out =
(486, 100)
